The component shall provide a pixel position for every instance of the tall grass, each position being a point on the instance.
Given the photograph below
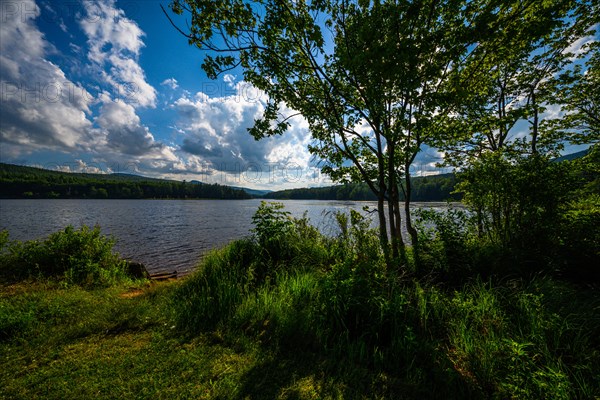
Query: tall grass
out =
(211, 294)
(282, 313)
(293, 289)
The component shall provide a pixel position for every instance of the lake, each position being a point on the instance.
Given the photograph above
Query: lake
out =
(165, 235)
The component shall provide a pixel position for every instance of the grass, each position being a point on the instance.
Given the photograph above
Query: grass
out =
(74, 343)
(480, 342)
(290, 314)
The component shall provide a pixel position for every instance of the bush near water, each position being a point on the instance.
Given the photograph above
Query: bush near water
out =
(74, 256)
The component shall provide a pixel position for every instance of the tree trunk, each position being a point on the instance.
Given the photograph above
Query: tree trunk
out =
(535, 123)
(409, 227)
(393, 205)
(383, 236)
(398, 223)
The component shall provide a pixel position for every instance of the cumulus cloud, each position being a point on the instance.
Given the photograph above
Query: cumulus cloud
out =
(40, 106)
(81, 166)
(120, 134)
(43, 110)
(124, 131)
(115, 42)
(216, 130)
(171, 82)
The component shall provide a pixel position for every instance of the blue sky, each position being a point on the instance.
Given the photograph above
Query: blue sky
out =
(111, 86)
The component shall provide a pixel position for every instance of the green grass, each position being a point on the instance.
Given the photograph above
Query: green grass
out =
(509, 341)
(73, 343)
(290, 314)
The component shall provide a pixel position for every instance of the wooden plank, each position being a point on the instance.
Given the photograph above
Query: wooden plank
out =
(164, 276)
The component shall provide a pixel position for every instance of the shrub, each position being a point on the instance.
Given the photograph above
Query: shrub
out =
(82, 257)
(285, 242)
(446, 242)
(580, 239)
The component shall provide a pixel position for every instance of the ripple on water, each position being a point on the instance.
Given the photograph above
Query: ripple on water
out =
(165, 235)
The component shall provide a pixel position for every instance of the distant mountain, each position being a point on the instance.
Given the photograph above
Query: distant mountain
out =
(253, 192)
(18, 181)
(134, 177)
(572, 156)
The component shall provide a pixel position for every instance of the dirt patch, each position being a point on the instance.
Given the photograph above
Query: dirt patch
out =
(131, 294)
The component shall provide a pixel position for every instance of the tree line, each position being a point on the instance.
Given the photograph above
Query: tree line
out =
(427, 188)
(28, 182)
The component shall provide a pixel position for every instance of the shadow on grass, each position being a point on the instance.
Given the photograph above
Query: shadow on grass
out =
(306, 375)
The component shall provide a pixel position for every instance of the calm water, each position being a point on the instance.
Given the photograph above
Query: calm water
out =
(165, 235)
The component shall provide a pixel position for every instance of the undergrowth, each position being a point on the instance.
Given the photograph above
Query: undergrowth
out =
(478, 337)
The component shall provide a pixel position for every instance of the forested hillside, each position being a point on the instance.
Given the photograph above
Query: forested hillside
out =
(427, 188)
(28, 182)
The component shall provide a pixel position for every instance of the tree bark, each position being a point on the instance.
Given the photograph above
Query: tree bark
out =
(409, 226)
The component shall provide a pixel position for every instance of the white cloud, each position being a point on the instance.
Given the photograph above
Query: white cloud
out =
(81, 166)
(115, 42)
(121, 133)
(171, 82)
(229, 80)
(42, 110)
(578, 47)
(40, 106)
(216, 131)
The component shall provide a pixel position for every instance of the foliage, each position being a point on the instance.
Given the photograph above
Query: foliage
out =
(448, 245)
(80, 257)
(524, 216)
(579, 99)
(514, 80)
(517, 204)
(580, 239)
(388, 68)
(284, 240)
(457, 75)
(271, 225)
(27, 182)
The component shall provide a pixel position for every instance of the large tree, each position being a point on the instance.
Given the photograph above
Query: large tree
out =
(375, 80)
(518, 81)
